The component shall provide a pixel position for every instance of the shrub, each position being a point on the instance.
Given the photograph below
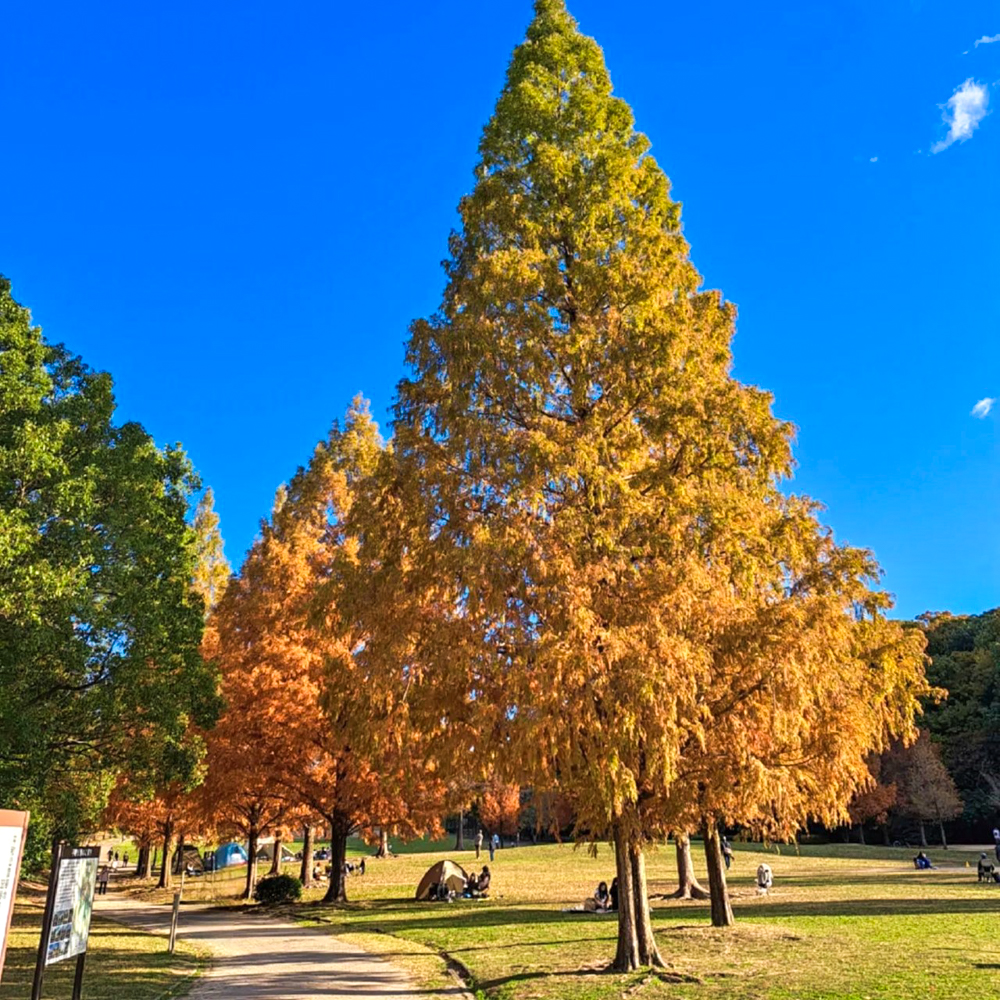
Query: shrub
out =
(277, 889)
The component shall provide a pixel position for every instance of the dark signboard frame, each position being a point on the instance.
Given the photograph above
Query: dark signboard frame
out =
(69, 882)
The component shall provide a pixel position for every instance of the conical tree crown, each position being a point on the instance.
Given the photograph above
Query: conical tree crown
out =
(212, 569)
(572, 315)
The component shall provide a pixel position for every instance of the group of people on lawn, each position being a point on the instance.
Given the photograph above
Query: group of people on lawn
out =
(475, 887)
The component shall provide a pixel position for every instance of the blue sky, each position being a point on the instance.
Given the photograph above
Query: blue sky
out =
(238, 208)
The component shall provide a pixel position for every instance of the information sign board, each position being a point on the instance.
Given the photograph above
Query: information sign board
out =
(73, 900)
(13, 830)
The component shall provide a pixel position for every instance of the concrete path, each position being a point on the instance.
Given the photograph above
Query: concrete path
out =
(257, 958)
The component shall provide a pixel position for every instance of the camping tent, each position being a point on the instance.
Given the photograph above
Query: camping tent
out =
(230, 854)
(266, 853)
(191, 857)
(444, 871)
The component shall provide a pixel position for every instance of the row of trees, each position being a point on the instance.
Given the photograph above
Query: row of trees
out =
(575, 568)
(100, 671)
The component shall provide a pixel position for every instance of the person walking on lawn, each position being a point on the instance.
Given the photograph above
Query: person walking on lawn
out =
(479, 842)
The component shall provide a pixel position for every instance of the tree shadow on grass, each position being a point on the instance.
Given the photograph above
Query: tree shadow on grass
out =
(399, 919)
(864, 907)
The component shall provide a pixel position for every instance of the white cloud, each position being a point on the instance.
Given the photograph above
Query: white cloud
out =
(874, 159)
(965, 109)
(987, 40)
(983, 407)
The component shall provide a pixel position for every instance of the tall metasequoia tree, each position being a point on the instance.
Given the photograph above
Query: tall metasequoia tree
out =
(245, 749)
(325, 737)
(605, 532)
(212, 569)
(807, 679)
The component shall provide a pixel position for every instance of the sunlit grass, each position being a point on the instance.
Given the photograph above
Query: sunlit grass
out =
(842, 921)
(121, 964)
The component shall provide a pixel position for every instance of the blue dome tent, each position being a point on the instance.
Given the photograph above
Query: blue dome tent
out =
(230, 854)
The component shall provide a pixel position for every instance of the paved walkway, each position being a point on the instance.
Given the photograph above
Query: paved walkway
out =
(257, 958)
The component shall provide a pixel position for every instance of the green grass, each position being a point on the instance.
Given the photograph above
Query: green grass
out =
(122, 964)
(843, 921)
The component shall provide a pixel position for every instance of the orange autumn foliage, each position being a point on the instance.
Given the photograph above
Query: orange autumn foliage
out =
(308, 725)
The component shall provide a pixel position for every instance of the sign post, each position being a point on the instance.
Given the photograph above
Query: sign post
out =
(66, 923)
(13, 831)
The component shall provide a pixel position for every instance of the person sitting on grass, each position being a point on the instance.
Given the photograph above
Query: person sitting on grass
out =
(602, 897)
(483, 885)
(476, 886)
(984, 870)
(921, 861)
(600, 902)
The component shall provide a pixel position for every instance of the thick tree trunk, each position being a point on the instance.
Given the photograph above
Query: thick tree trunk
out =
(275, 868)
(944, 839)
(336, 891)
(166, 879)
(144, 864)
(251, 882)
(722, 911)
(383, 842)
(688, 885)
(648, 952)
(886, 839)
(306, 871)
(923, 834)
(460, 839)
(861, 833)
(178, 865)
(627, 954)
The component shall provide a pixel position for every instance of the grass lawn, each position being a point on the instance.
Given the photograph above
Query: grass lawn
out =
(843, 921)
(122, 964)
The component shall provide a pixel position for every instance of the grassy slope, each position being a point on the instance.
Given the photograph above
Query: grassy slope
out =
(845, 922)
(842, 922)
(121, 964)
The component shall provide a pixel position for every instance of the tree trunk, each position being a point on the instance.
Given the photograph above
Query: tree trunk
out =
(165, 875)
(885, 835)
(178, 866)
(627, 955)
(722, 911)
(649, 954)
(306, 872)
(688, 885)
(251, 882)
(460, 839)
(144, 868)
(383, 842)
(861, 834)
(923, 834)
(275, 868)
(944, 839)
(336, 891)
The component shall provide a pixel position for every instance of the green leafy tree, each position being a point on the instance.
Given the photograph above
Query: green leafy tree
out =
(965, 659)
(605, 550)
(99, 627)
